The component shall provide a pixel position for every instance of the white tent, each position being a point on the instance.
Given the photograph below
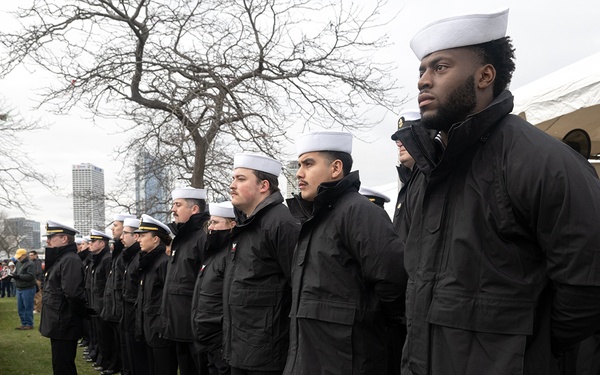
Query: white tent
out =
(566, 100)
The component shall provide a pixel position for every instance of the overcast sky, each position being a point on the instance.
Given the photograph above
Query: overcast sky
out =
(547, 35)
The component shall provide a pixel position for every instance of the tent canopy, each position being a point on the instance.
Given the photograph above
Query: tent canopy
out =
(565, 100)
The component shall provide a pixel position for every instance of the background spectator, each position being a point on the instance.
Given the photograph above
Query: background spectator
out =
(39, 278)
(5, 286)
(24, 276)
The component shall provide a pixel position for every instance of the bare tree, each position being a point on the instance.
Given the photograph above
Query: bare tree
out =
(16, 167)
(5, 243)
(202, 79)
(12, 235)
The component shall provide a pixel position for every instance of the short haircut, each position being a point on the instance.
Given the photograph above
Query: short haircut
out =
(105, 240)
(164, 238)
(33, 252)
(271, 178)
(501, 54)
(201, 203)
(344, 157)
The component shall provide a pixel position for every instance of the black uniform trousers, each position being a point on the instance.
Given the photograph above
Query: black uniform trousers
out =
(190, 362)
(85, 340)
(216, 363)
(126, 368)
(63, 356)
(395, 335)
(162, 361)
(109, 346)
(94, 347)
(137, 354)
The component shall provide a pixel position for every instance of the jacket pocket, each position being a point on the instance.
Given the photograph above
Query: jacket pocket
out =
(252, 310)
(54, 307)
(490, 314)
(325, 331)
(328, 311)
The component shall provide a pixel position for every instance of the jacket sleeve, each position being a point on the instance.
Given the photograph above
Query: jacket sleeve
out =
(558, 197)
(161, 272)
(71, 280)
(71, 283)
(283, 243)
(39, 272)
(80, 308)
(370, 236)
(28, 272)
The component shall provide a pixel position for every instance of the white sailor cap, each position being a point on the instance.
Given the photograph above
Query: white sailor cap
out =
(78, 240)
(324, 140)
(459, 31)
(122, 217)
(53, 227)
(373, 194)
(150, 224)
(189, 193)
(257, 162)
(87, 239)
(223, 209)
(132, 222)
(99, 235)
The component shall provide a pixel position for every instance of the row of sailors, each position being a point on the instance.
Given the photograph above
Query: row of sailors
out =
(213, 292)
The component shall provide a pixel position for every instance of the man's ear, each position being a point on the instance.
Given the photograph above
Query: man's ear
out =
(486, 76)
(337, 169)
(264, 186)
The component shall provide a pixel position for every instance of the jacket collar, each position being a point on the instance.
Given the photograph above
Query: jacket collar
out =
(271, 200)
(329, 192)
(195, 222)
(96, 258)
(422, 145)
(147, 259)
(478, 126)
(53, 254)
(404, 173)
(129, 252)
(299, 208)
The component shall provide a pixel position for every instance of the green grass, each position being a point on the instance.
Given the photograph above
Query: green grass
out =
(27, 352)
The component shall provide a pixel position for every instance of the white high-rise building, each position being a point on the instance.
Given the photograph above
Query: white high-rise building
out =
(88, 198)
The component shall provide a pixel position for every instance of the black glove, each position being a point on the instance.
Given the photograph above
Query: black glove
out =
(90, 312)
(394, 320)
(80, 308)
(16, 277)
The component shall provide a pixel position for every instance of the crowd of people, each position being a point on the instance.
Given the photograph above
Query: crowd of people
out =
(490, 265)
(7, 283)
(21, 277)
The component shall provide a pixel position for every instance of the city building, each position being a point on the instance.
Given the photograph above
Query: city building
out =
(88, 198)
(289, 171)
(22, 233)
(152, 187)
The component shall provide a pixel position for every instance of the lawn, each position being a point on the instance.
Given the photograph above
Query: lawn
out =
(27, 352)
